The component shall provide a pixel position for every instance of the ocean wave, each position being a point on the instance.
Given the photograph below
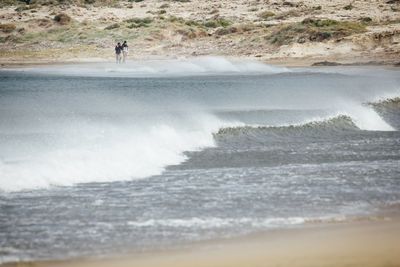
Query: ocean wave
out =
(91, 152)
(346, 219)
(125, 153)
(213, 222)
(332, 124)
(388, 108)
(257, 223)
(390, 102)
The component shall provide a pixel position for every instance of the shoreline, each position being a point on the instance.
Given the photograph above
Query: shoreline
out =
(291, 62)
(288, 33)
(371, 242)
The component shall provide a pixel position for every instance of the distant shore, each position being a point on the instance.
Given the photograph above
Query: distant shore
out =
(290, 33)
(289, 62)
(371, 243)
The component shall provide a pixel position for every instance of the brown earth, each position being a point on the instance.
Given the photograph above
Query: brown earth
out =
(281, 32)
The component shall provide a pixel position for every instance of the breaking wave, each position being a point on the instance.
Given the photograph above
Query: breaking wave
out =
(393, 102)
(118, 153)
(388, 108)
(94, 152)
(52, 136)
(335, 124)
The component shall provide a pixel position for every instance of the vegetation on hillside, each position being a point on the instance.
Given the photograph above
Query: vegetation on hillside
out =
(243, 28)
(313, 30)
(4, 3)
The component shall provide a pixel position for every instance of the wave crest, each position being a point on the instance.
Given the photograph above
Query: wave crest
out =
(389, 109)
(393, 102)
(334, 124)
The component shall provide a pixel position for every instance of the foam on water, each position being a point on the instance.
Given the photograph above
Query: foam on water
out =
(98, 152)
(213, 222)
(94, 153)
(244, 222)
(206, 65)
(93, 131)
(367, 119)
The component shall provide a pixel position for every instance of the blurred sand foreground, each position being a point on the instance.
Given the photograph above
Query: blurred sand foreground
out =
(366, 243)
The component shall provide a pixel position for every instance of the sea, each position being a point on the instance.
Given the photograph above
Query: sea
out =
(100, 159)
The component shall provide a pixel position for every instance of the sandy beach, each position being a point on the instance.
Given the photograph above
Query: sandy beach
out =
(369, 243)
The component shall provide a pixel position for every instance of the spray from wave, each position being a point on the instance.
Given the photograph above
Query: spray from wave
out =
(98, 152)
(206, 65)
(361, 118)
(103, 152)
(387, 107)
(57, 131)
(367, 118)
(331, 124)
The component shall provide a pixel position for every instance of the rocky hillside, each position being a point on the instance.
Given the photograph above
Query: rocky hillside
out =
(285, 32)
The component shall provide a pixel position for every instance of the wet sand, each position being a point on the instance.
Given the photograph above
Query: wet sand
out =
(360, 243)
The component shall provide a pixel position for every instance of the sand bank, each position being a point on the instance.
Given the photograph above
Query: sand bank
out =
(366, 243)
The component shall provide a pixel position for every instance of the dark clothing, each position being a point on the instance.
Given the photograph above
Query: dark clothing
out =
(118, 50)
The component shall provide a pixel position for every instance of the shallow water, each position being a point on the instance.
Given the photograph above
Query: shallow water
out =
(96, 160)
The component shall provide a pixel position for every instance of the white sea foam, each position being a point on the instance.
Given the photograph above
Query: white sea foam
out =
(103, 153)
(214, 222)
(365, 117)
(258, 223)
(385, 96)
(7, 255)
(53, 136)
(206, 65)
(98, 153)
